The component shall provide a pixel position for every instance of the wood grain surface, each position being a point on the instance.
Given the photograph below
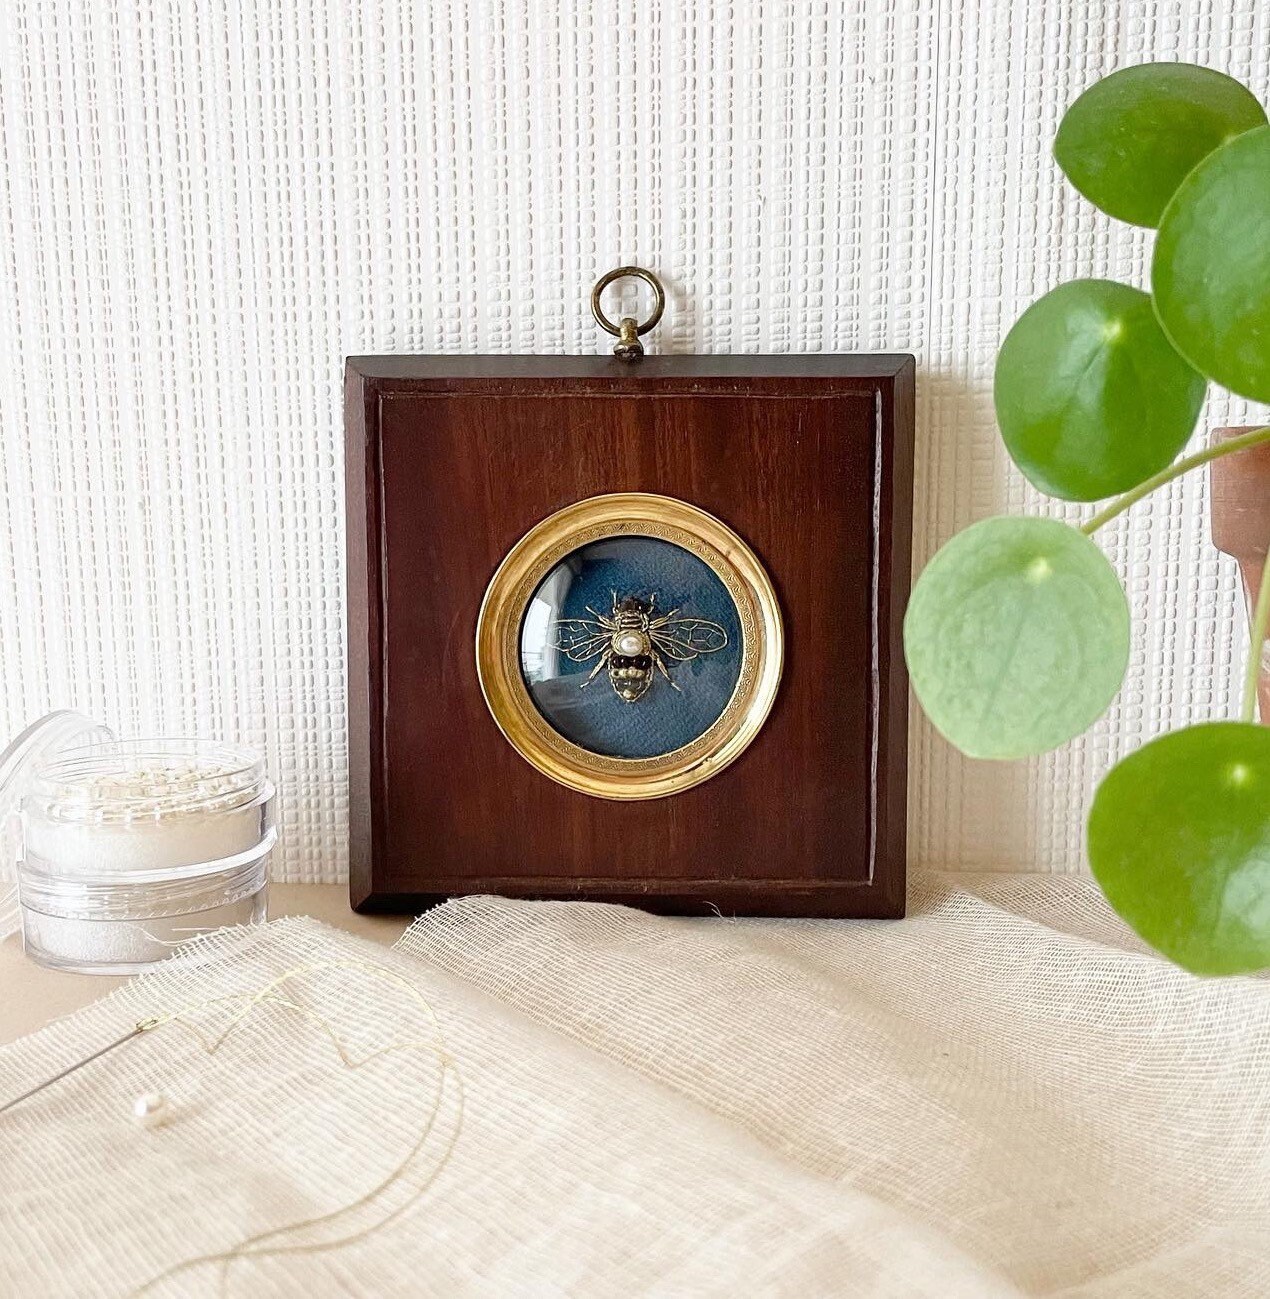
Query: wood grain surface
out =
(450, 460)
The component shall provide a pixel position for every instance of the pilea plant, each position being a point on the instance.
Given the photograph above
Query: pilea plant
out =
(1017, 635)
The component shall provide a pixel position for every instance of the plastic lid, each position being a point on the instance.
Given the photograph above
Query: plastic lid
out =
(39, 743)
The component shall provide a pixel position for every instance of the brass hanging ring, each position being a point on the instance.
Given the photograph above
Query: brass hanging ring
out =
(622, 273)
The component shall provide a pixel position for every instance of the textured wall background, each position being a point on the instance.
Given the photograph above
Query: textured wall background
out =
(205, 205)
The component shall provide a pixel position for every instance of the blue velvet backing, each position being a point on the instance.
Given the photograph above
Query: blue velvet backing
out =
(596, 718)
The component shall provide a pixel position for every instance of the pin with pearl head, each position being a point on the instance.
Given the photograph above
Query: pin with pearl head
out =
(149, 1109)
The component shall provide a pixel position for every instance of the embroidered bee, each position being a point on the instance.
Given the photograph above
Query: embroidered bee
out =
(633, 642)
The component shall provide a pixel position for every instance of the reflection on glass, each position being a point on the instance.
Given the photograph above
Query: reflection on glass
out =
(631, 647)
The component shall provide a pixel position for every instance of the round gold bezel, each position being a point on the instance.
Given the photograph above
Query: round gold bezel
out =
(639, 514)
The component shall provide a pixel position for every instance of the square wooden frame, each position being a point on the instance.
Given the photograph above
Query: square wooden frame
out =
(450, 460)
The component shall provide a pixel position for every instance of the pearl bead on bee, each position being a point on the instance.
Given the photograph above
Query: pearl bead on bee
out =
(631, 644)
(150, 1109)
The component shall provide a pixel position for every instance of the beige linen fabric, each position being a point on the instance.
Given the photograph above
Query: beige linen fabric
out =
(1002, 1095)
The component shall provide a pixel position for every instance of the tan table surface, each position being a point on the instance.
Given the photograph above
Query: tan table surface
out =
(31, 996)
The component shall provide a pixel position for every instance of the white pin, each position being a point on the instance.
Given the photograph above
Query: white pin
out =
(150, 1109)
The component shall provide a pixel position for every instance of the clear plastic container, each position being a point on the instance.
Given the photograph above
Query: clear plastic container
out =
(127, 848)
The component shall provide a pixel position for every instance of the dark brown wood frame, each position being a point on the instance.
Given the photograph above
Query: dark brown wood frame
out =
(447, 400)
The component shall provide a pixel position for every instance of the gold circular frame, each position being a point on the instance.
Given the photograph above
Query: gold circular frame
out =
(637, 514)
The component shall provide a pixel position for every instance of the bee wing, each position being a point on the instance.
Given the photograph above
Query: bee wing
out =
(685, 638)
(579, 639)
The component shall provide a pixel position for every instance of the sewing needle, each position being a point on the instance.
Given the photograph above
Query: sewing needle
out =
(135, 1031)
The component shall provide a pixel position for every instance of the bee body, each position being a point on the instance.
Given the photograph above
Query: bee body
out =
(633, 644)
(631, 650)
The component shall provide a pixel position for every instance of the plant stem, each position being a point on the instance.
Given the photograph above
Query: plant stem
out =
(1117, 507)
(1260, 627)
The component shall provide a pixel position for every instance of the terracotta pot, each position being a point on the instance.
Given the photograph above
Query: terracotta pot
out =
(1241, 523)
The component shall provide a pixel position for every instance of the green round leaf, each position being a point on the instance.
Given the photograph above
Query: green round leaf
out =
(1128, 142)
(1017, 637)
(1179, 840)
(1211, 270)
(1091, 397)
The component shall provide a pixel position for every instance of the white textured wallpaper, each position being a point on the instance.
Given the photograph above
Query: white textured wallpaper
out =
(205, 205)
